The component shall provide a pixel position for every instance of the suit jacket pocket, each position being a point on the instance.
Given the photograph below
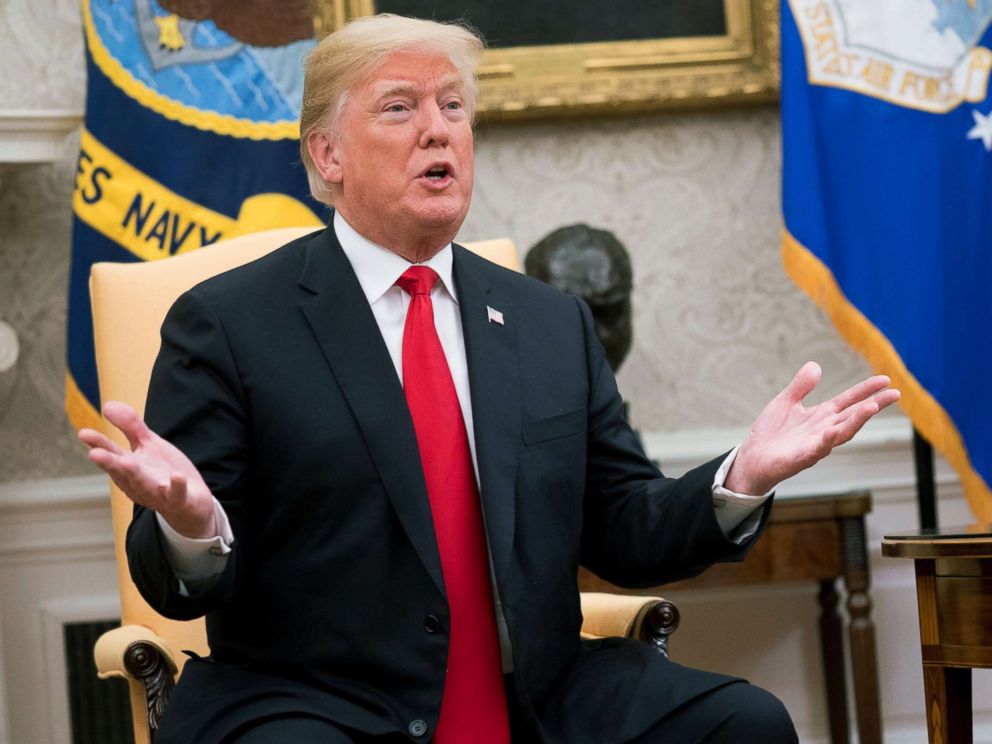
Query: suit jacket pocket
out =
(554, 427)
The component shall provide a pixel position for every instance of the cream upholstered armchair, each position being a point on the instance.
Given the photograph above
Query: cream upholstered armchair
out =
(129, 304)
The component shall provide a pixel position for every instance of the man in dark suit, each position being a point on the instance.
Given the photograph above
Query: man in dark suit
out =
(375, 461)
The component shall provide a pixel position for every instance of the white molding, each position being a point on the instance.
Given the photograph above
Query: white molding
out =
(882, 433)
(53, 494)
(879, 458)
(35, 136)
(66, 550)
(57, 520)
(55, 614)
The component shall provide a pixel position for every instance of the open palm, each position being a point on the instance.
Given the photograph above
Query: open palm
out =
(154, 474)
(788, 437)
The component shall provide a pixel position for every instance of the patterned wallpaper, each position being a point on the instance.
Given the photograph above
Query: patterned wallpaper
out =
(41, 56)
(35, 439)
(719, 329)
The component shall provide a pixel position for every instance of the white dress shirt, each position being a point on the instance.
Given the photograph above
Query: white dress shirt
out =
(197, 561)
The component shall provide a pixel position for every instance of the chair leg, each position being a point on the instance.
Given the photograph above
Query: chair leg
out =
(157, 674)
(655, 623)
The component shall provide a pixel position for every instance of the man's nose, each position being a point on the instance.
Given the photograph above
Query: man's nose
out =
(434, 126)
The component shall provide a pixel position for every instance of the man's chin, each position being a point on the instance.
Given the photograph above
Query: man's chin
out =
(440, 217)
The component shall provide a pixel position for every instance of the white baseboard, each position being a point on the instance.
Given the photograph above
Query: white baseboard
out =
(879, 458)
(56, 520)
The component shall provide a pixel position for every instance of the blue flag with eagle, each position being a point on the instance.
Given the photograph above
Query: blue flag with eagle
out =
(191, 136)
(887, 200)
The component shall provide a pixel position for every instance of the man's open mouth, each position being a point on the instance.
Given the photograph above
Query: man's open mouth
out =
(437, 173)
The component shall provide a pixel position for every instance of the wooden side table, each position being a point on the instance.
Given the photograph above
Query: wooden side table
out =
(954, 594)
(822, 539)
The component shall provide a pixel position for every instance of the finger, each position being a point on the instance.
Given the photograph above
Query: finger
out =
(846, 429)
(803, 383)
(93, 438)
(104, 459)
(886, 398)
(882, 399)
(125, 418)
(177, 490)
(125, 472)
(857, 393)
(116, 466)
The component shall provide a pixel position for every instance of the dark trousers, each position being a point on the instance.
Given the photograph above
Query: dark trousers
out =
(309, 730)
(737, 713)
(292, 730)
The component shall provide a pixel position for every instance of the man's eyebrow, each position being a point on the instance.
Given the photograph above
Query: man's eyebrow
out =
(386, 88)
(451, 80)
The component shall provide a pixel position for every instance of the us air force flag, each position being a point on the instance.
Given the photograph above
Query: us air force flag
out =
(887, 197)
(191, 136)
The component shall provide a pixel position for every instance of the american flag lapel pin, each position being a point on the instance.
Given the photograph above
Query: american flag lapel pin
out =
(494, 315)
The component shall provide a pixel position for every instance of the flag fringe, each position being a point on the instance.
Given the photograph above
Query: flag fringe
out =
(927, 415)
(80, 412)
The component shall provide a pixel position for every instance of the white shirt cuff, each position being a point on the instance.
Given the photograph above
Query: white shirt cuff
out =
(738, 514)
(197, 561)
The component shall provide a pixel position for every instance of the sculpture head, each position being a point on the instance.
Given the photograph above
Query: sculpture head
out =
(591, 264)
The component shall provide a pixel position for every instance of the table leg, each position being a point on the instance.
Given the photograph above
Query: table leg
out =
(864, 661)
(832, 648)
(948, 699)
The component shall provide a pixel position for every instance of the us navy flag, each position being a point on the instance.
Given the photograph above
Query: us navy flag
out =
(191, 136)
(887, 199)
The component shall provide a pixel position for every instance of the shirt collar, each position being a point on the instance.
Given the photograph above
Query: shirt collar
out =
(378, 268)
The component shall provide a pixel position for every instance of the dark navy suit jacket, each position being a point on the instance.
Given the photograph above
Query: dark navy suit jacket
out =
(274, 379)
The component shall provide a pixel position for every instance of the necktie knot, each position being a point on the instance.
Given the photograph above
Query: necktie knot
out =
(418, 280)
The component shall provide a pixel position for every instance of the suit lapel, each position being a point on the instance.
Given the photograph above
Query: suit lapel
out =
(341, 319)
(494, 379)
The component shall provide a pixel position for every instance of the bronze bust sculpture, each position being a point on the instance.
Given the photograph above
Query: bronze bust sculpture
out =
(591, 264)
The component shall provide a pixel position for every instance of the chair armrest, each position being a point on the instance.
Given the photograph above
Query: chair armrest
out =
(648, 619)
(144, 659)
(116, 654)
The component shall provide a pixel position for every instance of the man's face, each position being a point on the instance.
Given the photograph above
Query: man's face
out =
(404, 156)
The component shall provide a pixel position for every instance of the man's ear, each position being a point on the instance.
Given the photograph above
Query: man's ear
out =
(326, 155)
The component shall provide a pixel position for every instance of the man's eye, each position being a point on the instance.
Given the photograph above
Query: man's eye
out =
(395, 107)
(453, 105)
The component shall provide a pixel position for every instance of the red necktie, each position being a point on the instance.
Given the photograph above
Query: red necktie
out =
(473, 707)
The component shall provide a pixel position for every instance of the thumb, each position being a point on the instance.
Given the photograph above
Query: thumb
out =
(125, 418)
(803, 383)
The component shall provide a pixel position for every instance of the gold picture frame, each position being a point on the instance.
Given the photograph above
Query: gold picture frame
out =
(595, 78)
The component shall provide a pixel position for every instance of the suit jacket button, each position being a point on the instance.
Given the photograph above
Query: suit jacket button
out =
(417, 728)
(432, 624)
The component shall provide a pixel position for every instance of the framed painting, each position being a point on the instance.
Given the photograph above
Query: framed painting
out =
(568, 57)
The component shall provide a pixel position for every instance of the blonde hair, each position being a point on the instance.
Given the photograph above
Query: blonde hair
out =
(348, 55)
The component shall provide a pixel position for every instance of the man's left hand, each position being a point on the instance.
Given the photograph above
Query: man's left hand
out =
(788, 437)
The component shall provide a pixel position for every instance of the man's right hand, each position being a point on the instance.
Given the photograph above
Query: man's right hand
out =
(154, 474)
